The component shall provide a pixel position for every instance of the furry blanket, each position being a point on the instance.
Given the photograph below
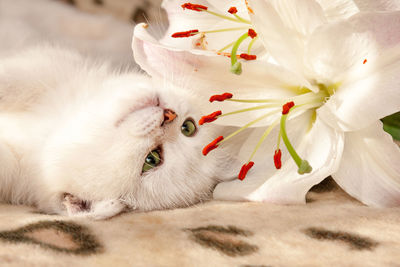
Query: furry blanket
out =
(332, 229)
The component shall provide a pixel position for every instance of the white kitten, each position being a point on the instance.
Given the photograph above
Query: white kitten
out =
(78, 139)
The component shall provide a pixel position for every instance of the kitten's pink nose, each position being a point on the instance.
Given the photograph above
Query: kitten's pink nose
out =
(169, 115)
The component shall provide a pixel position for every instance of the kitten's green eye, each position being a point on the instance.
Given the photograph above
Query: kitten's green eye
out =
(153, 159)
(188, 128)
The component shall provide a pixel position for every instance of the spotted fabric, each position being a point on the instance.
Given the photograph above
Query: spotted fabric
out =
(331, 229)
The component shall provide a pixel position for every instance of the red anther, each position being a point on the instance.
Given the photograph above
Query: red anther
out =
(277, 159)
(243, 171)
(194, 7)
(287, 107)
(365, 61)
(248, 57)
(184, 34)
(252, 33)
(209, 118)
(212, 145)
(232, 10)
(220, 98)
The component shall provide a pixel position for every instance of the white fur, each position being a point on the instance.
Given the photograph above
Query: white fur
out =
(68, 126)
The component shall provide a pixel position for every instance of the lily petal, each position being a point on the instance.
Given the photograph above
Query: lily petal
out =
(370, 169)
(284, 25)
(362, 57)
(204, 74)
(339, 9)
(342, 9)
(322, 147)
(378, 5)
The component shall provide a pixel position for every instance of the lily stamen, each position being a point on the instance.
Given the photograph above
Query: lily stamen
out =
(252, 33)
(251, 44)
(250, 109)
(185, 34)
(232, 10)
(194, 32)
(278, 159)
(200, 8)
(213, 145)
(225, 30)
(307, 101)
(210, 117)
(307, 98)
(236, 66)
(245, 168)
(220, 98)
(248, 125)
(236, 19)
(247, 56)
(194, 7)
(263, 137)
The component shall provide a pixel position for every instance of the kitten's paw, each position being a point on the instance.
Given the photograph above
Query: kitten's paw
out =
(96, 210)
(75, 205)
(105, 209)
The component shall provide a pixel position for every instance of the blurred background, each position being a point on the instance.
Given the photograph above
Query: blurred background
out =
(97, 28)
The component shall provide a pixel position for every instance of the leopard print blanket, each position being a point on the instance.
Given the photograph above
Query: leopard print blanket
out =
(332, 229)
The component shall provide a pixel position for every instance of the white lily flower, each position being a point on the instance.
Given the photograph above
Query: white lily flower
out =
(341, 76)
(213, 26)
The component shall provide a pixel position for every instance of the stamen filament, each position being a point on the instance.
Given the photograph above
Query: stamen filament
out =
(265, 135)
(227, 17)
(242, 19)
(300, 99)
(226, 47)
(251, 44)
(248, 125)
(278, 101)
(250, 109)
(279, 140)
(225, 30)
